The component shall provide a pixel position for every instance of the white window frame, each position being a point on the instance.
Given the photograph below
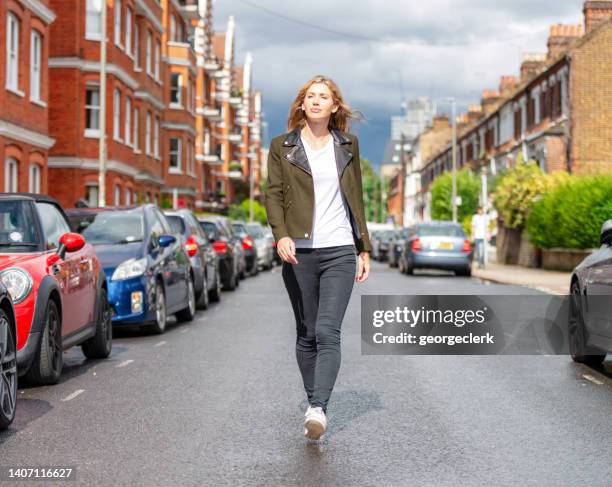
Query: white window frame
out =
(92, 188)
(117, 195)
(179, 80)
(148, 134)
(156, 139)
(149, 54)
(117, 23)
(171, 168)
(128, 196)
(127, 131)
(11, 175)
(128, 31)
(117, 115)
(136, 138)
(92, 132)
(157, 59)
(35, 64)
(12, 53)
(137, 48)
(35, 177)
(93, 20)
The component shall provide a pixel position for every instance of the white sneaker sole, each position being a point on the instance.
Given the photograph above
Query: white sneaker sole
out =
(313, 429)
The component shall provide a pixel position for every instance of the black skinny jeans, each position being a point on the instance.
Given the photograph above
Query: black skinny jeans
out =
(319, 288)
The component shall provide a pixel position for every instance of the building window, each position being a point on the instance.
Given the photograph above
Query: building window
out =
(128, 196)
(136, 46)
(35, 176)
(149, 47)
(93, 20)
(156, 137)
(117, 115)
(117, 196)
(175, 154)
(35, 60)
(136, 129)
(157, 54)
(175, 88)
(118, 22)
(91, 194)
(128, 121)
(128, 31)
(172, 28)
(92, 110)
(12, 53)
(11, 174)
(148, 134)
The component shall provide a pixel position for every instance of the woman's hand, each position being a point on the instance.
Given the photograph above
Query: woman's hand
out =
(363, 270)
(286, 250)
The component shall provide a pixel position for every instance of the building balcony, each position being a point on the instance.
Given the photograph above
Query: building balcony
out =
(211, 67)
(242, 122)
(221, 96)
(235, 101)
(189, 11)
(211, 113)
(235, 137)
(179, 52)
(210, 159)
(223, 73)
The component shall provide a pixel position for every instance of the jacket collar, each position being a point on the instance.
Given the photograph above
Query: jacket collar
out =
(297, 154)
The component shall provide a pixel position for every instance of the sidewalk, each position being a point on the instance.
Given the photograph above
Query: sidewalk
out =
(552, 282)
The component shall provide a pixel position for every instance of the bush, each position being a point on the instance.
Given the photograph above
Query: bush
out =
(571, 214)
(241, 212)
(468, 187)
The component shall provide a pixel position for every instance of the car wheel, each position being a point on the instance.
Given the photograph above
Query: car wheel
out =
(188, 313)
(48, 361)
(467, 272)
(408, 269)
(579, 350)
(400, 266)
(161, 312)
(101, 344)
(8, 371)
(204, 296)
(215, 292)
(230, 284)
(255, 268)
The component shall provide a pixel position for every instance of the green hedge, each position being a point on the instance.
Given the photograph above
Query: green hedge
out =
(571, 214)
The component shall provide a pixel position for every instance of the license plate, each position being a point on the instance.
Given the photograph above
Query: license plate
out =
(445, 245)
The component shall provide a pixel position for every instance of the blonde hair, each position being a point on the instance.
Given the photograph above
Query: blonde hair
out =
(338, 120)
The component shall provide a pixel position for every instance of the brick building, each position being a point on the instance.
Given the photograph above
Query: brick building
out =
(24, 95)
(559, 112)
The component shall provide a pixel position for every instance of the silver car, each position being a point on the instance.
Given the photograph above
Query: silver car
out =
(437, 245)
(265, 250)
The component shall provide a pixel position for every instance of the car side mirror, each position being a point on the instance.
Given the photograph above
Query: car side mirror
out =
(605, 237)
(70, 242)
(166, 240)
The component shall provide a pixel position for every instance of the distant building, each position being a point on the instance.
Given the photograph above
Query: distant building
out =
(419, 114)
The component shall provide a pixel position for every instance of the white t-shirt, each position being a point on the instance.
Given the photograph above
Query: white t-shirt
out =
(480, 225)
(331, 225)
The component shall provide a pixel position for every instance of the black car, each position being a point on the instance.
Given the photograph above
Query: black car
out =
(396, 246)
(590, 319)
(226, 250)
(236, 241)
(204, 259)
(384, 244)
(8, 359)
(248, 245)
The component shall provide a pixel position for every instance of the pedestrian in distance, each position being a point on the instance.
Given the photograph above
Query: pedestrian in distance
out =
(314, 203)
(480, 235)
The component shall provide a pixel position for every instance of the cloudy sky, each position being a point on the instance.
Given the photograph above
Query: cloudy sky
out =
(380, 50)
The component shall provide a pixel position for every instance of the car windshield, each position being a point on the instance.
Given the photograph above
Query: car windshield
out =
(116, 227)
(387, 234)
(256, 231)
(210, 229)
(439, 231)
(177, 225)
(18, 228)
(239, 229)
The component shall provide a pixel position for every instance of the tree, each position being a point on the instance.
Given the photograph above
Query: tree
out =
(468, 188)
(371, 190)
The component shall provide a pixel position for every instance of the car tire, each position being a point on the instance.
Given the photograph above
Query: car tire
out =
(215, 292)
(161, 311)
(467, 272)
(204, 297)
(255, 268)
(46, 368)
(101, 344)
(8, 371)
(188, 313)
(579, 350)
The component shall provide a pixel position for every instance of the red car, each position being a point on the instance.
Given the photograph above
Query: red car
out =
(57, 285)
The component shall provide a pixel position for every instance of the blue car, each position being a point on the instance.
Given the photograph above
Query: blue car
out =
(149, 275)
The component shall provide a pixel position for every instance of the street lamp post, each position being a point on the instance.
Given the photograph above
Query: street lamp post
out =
(454, 158)
(102, 112)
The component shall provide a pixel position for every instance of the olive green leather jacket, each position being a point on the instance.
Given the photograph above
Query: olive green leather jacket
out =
(290, 190)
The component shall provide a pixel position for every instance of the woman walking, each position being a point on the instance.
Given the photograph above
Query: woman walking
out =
(314, 202)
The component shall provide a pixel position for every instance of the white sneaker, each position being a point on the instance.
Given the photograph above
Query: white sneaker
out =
(315, 423)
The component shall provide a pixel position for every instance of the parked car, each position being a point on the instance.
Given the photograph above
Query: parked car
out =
(383, 244)
(396, 245)
(270, 236)
(437, 245)
(265, 250)
(248, 245)
(204, 259)
(236, 241)
(226, 250)
(8, 359)
(148, 271)
(57, 285)
(590, 318)
(375, 241)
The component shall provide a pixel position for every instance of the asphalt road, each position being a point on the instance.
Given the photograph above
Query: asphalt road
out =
(220, 402)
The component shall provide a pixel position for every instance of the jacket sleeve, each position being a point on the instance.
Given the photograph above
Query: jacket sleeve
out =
(274, 194)
(366, 246)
